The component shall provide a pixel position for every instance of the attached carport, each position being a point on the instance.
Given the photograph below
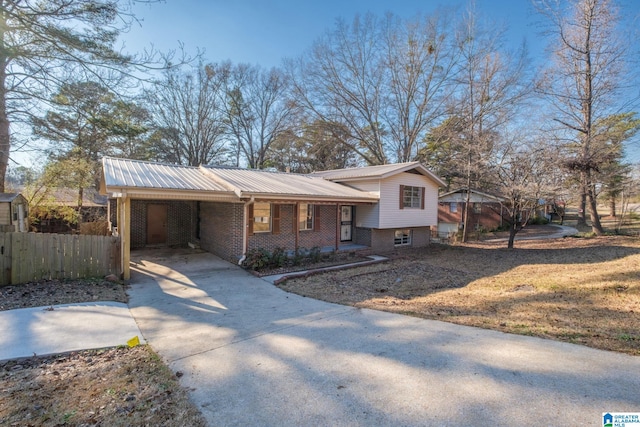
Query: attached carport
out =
(227, 198)
(127, 180)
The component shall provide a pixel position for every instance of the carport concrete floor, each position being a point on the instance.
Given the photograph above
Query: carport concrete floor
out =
(253, 355)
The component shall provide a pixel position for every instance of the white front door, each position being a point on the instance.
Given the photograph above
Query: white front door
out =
(346, 221)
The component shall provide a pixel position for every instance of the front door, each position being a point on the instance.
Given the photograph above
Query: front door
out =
(156, 224)
(346, 221)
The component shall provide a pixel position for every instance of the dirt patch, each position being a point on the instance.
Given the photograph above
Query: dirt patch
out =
(111, 387)
(53, 292)
(584, 291)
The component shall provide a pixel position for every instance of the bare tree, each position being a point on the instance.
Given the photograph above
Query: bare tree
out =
(384, 80)
(40, 41)
(419, 62)
(188, 112)
(491, 85)
(523, 178)
(257, 109)
(583, 83)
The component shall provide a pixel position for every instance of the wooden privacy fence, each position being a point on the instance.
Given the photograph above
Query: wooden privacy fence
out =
(26, 257)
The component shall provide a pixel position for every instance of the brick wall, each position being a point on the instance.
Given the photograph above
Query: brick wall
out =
(325, 236)
(383, 239)
(181, 222)
(221, 228)
(488, 217)
(362, 236)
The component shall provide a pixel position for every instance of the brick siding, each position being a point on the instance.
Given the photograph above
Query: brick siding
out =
(489, 218)
(181, 222)
(307, 239)
(383, 239)
(221, 229)
(326, 234)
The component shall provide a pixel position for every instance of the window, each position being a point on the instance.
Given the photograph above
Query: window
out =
(261, 217)
(411, 197)
(477, 208)
(306, 217)
(402, 238)
(453, 207)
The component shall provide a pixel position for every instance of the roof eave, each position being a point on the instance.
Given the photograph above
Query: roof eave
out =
(311, 198)
(172, 194)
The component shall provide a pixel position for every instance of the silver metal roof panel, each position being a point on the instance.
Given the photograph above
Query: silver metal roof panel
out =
(125, 173)
(260, 182)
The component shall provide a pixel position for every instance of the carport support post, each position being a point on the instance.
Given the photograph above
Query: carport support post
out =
(124, 228)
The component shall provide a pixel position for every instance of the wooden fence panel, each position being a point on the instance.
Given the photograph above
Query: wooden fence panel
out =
(5, 259)
(26, 257)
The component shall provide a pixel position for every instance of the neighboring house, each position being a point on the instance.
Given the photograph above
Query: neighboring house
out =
(230, 211)
(94, 208)
(485, 211)
(13, 213)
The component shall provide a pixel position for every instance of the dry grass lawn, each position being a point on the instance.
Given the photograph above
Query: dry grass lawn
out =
(584, 291)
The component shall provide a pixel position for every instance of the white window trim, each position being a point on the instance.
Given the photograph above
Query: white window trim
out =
(404, 240)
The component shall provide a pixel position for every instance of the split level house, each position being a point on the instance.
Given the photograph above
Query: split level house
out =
(230, 211)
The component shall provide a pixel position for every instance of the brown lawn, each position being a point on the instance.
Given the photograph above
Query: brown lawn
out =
(584, 291)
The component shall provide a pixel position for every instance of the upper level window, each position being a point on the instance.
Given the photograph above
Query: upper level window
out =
(477, 208)
(261, 217)
(412, 197)
(453, 207)
(306, 216)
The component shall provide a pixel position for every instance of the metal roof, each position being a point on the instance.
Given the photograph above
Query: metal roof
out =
(376, 172)
(8, 197)
(252, 182)
(125, 173)
(463, 191)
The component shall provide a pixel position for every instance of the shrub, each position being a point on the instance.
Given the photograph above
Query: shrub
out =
(315, 254)
(538, 220)
(257, 259)
(278, 258)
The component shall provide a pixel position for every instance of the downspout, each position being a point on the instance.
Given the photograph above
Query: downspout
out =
(245, 233)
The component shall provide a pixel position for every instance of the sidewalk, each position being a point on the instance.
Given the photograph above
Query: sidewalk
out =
(562, 231)
(39, 331)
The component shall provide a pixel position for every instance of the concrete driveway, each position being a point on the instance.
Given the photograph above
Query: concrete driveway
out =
(253, 355)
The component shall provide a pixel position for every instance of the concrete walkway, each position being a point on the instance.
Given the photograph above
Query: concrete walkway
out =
(68, 327)
(252, 354)
(562, 231)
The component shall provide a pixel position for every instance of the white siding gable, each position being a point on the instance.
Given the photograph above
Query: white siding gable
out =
(367, 215)
(391, 216)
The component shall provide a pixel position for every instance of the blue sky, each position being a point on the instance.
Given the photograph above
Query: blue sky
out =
(265, 32)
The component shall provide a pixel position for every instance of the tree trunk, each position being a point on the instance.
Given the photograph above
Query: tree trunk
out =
(612, 206)
(513, 230)
(5, 135)
(465, 220)
(596, 226)
(582, 206)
